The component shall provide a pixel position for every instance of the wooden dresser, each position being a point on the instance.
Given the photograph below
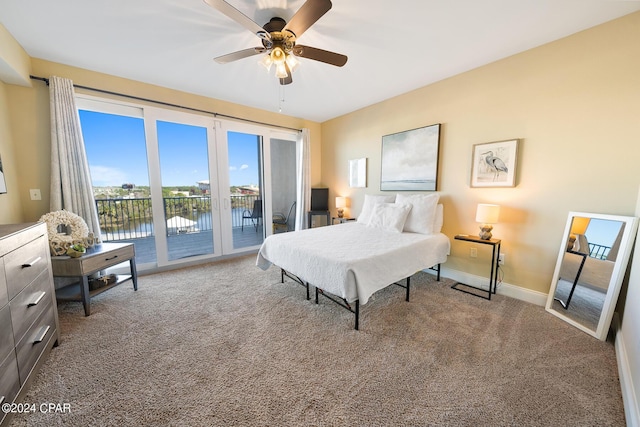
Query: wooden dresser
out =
(28, 313)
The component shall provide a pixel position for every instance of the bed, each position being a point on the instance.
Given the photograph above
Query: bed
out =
(353, 260)
(595, 273)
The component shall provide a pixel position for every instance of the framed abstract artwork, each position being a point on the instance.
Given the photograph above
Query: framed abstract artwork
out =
(410, 160)
(494, 164)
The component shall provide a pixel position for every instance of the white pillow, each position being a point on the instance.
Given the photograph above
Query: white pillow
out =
(437, 224)
(389, 216)
(422, 217)
(369, 203)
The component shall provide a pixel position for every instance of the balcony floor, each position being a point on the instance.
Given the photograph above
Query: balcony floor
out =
(192, 244)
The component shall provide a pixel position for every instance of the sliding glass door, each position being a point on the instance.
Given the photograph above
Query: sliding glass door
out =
(183, 186)
(283, 182)
(186, 197)
(116, 147)
(246, 189)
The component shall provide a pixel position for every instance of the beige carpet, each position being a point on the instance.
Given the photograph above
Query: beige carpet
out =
(227, 344)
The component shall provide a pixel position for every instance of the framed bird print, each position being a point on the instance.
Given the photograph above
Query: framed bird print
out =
(494, 164)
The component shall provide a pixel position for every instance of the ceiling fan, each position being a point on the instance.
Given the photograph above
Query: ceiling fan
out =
(279, 37)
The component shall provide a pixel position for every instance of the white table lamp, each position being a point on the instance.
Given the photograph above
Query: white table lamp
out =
(341, 203)
(486, 215)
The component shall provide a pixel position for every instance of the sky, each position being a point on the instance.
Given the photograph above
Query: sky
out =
(117, 155)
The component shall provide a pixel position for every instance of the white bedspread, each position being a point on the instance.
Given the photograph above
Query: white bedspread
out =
(351, 260)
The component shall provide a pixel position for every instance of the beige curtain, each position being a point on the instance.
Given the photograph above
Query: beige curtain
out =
(303, 180)
(71, 187)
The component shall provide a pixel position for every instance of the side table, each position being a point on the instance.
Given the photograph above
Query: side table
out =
(341, 220)
(97, 258)
(493, 277)
(311, 214)
(564, 304)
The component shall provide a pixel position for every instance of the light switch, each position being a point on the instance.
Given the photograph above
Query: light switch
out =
(35, 194)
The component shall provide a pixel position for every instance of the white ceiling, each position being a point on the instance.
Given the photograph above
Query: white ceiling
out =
(393, 46)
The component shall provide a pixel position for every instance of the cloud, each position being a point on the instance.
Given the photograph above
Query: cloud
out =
(105, 176)
(243, 167)
(233, 168)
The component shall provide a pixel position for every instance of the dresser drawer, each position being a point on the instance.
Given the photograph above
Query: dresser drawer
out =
(27, 306)
(6, 332)
(25, 264)
(9, 380)
(4, 296)
(34, 342)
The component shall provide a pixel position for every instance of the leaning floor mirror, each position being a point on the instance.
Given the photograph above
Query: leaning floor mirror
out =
(591, 265)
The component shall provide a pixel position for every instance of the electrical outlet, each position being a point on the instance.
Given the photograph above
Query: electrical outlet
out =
(473, 252)
(35, 194)
(501, 259)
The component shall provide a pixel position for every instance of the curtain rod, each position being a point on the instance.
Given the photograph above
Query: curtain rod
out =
(168, 104)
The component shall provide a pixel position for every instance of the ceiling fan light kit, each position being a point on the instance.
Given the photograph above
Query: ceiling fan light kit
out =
(279, 39)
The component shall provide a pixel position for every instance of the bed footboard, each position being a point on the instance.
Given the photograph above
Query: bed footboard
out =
(356, 310)
(437, 269)
(295, 278)
(342, 303)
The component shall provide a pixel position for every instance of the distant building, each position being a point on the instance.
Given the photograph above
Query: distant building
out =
(204, 186)
(249, 190)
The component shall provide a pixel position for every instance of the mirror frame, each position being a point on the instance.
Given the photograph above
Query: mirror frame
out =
(617, 275)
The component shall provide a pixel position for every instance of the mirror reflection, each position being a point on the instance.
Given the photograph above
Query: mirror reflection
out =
(592, 260)
(587, 266)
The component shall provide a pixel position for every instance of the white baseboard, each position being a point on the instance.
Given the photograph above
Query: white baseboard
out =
(629, 398)
(506, 289)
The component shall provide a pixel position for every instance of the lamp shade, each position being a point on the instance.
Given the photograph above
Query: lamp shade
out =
(487, 214)
(579, 225)
(341, 202)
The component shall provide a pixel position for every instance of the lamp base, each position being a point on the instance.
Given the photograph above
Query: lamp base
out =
(485, 231)
(340, 213)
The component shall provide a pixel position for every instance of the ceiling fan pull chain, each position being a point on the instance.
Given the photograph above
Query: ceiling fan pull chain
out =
(281, 98)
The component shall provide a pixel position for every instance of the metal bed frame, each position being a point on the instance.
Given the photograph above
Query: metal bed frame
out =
(343, 302)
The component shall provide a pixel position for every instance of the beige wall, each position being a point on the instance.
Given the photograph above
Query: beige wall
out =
(575, 105)
(10, 205)
(27, 120)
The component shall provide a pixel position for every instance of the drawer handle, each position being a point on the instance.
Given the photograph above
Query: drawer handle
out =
(113, 257)
(42, 334)
(32, 263)
(37, 300)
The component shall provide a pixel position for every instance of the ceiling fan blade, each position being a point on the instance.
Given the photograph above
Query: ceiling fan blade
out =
(289, 79)
(307, 15)
(320, 55)
(241, 54)
(233, 13)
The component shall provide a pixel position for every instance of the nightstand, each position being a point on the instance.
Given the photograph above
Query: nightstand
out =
(493, 276)
(97, 258)
(564, 304)
(341, 220)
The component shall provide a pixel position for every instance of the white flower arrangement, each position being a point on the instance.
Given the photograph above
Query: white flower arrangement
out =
(79, 232)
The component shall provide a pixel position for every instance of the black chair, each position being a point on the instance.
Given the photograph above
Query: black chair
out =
(253, 215)
(279, 220)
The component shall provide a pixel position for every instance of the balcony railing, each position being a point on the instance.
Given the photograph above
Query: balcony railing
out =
(599, 251)
(124, 219)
